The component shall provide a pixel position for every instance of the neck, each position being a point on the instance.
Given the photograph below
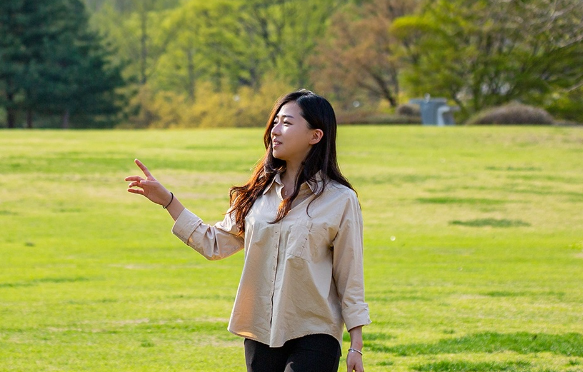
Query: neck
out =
(291, 173)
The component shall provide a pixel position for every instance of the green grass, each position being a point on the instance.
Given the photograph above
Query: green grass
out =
(473, 249)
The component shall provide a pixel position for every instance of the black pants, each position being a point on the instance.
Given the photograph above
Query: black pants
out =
(317, 353)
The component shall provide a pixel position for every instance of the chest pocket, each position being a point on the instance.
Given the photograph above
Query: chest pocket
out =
(307, 240)
(299, 235)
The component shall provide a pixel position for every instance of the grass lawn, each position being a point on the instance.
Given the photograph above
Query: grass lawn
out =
(473, 249)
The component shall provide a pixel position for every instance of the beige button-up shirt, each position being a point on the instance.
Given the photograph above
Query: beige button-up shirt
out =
(302, 275)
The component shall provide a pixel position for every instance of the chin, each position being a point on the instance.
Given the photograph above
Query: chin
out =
(277, 156)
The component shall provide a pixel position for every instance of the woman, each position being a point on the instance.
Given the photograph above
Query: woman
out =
(299, 221)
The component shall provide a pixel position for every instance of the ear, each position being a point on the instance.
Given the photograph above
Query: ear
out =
(317, 135)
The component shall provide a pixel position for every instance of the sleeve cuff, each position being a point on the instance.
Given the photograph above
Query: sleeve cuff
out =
(185, 225)
(356, 315)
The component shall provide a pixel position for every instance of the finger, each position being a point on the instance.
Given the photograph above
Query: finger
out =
(134, 184)
(134, 178)
(143, 168)
(136, 191)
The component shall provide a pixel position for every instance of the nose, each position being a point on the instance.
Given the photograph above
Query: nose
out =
(276, 129)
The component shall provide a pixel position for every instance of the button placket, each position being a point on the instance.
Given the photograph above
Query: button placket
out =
(276, 233)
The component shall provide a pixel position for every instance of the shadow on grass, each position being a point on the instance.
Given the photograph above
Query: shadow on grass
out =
(396, 179)
(34, 282)
(558, 295)
(492, 222)
(453, 366)
(163, 327)
(394, 298)
(452, 200)
(368, 336)
(515, 169)
(570, 344)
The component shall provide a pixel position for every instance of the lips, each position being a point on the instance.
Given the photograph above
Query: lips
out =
(276, 143)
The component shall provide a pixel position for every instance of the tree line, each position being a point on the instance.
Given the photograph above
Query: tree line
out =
(172, 63)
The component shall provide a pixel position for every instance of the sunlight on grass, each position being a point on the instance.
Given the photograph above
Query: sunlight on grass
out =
(473, 249)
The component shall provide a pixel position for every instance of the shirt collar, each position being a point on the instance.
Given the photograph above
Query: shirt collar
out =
(315, 186)
(276, 179)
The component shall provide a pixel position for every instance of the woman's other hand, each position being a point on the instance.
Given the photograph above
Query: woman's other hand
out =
(354, 362)
(354, 358)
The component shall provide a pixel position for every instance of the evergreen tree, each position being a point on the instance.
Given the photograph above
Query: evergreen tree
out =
(54, 65)
(13, 57)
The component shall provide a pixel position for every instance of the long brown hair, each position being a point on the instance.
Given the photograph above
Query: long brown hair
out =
(319, 114)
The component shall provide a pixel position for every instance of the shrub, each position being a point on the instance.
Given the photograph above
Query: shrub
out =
(513, 113)
(408, 110)
(369, 118)
(244, 108)
(567, 106)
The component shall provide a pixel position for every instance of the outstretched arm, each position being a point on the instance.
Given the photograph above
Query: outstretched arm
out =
(149, 187)
(213, 242)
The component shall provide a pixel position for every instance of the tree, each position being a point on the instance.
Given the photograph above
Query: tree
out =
(489, 52)
(247, 39)
(59, 66)
(229, 43)
(358, 52)
(13, 57)
(86, 83)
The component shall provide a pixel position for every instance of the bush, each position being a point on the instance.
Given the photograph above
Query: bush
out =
(244, 108)
(346, 118)
(513, 113)
(567, 107)
(408, 110)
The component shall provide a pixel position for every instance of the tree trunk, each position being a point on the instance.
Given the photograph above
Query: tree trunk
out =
(10, 111)
(29, 119)
(11, 118)
(191, 74)
(143, 45)
(396, 86)
(66, 119)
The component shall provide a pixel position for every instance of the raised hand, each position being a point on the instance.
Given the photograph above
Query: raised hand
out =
(148, 186)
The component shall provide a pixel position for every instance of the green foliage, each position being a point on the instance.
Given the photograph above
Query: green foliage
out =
(489, 52)
(513, 113)
(92, 280)
(53, 64)
(364, 55)
(245, 107)
(358, 55)
(128, 6)
(229, 43)
(567, 105)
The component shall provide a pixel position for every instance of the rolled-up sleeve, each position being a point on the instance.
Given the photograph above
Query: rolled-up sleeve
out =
(214, 242)
(348, 266)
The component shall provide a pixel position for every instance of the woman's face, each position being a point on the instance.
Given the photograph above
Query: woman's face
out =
(291, 136)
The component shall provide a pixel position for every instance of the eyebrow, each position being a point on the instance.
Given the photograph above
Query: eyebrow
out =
(285, 116)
